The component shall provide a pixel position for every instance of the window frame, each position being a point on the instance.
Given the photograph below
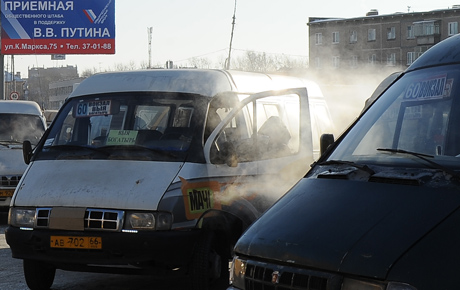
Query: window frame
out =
(371, 34)
(318, 38)
(411, 57)
(391, 59)
(391, 33)
(336, 61)
(353, 36)
(452, 28)
(410, 32)
(335, 37)
(372, 59)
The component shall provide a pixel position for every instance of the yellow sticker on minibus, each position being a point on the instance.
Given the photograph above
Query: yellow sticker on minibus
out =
(199, 197)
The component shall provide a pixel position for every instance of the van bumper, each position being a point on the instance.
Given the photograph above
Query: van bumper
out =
(154, 248)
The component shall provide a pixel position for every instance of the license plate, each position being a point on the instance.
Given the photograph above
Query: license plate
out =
(70, 242)
(6, 192)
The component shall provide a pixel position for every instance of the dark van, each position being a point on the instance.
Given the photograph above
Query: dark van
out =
(380, 210)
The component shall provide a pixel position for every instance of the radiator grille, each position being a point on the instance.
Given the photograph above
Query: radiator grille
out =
(262, 276)
(42, 217)
(95, 219)
(101, 219)
(10, 181)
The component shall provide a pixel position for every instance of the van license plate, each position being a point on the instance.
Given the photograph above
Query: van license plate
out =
(6, 192)
(70, 242)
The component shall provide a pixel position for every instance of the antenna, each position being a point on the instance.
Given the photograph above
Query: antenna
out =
(227, 64)
(149, 32)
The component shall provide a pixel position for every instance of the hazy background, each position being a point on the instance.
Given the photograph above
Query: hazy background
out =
(187, 29)
(191, 32)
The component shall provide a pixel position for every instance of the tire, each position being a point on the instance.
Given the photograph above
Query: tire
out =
(209, 265)
(39, 275)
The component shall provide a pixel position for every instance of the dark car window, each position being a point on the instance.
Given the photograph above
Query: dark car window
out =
(417, 114)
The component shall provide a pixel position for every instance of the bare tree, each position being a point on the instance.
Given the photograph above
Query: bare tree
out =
(263, 62)
(124, 67)
(201, 62)
(249, 61)
(88, 72)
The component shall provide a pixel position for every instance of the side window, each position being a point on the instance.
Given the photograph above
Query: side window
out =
(100, 126)
(424, 126)
(151, 118)
(265, 129)
(182, 117)
(65, 135)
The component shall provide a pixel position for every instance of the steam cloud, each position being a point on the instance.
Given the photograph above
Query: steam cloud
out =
(346, 92)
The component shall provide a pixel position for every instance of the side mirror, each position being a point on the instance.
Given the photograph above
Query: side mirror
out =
(27, 151)
(325, 141)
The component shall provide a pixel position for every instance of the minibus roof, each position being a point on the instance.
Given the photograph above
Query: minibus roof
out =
(20, 107)
(196, 81)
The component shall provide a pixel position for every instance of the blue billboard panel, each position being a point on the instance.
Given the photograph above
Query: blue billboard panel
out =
(58, 27)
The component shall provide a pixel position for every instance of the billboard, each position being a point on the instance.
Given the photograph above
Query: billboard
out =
(58, 27)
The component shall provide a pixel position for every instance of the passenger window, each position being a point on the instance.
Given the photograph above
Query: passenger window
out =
(266, 128)
(415, 125)
(183, 117)
(100, 126)
(151, 118)
(424, 127)
(65, 135)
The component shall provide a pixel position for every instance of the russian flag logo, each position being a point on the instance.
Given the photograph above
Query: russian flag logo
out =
(90, 14)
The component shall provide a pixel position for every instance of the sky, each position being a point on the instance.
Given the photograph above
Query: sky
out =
(186, 29)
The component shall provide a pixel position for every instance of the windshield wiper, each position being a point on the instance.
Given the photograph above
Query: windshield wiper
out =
(138, 148)
(423, 157)
(353, 164)
(78, 147)
(9, 142)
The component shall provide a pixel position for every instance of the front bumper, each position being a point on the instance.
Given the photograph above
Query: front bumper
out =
(165, 249)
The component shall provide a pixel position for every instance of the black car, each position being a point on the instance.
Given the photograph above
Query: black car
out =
(381, 208)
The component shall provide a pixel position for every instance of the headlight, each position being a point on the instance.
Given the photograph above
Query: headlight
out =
(237, 273)
(164, 221)
(352, 284)
(148, 221)
(142, 221)
(22, 217)
(400, 286)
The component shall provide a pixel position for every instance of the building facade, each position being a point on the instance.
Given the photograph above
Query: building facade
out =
(39, 83)
(59, 91)
(391, 41)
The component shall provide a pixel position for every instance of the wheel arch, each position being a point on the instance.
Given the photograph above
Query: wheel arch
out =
(229, 223)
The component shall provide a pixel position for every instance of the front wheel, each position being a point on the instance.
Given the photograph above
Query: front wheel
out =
(39, 275)
(209, 264)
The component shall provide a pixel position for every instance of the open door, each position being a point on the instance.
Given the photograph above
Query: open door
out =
(264, 145)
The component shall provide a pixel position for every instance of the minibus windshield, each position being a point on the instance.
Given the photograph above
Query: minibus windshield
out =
(124, 125)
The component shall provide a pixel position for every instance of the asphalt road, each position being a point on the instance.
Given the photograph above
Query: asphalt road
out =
(11, 276)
